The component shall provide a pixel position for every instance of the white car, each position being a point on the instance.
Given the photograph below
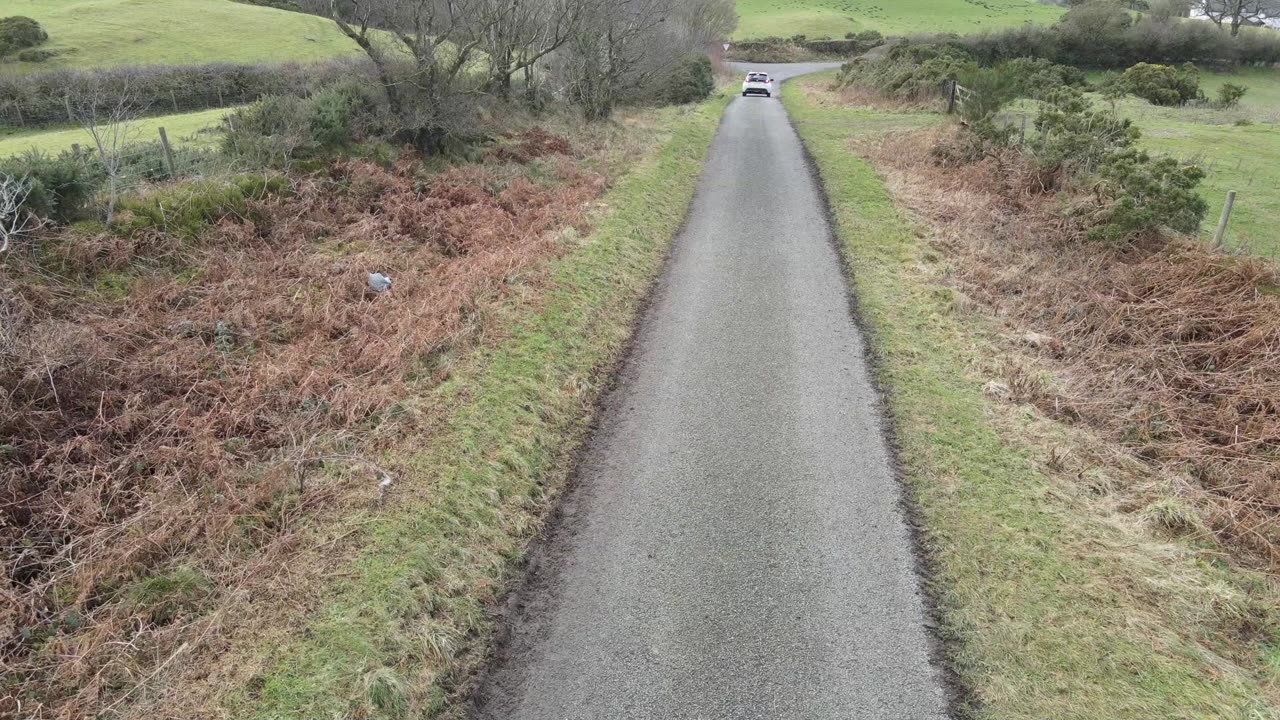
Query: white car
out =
(758, 83)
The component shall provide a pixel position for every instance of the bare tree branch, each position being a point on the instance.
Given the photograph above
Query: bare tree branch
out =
(16, 221)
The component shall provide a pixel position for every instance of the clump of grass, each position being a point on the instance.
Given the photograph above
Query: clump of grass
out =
(1172, 515)
(164, 597)
(388, 693)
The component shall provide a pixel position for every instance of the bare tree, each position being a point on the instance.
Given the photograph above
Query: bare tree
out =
(526, 31)
(621, 47)
(16, 221)
(420, 49)
(1238, 13)
(107, 115)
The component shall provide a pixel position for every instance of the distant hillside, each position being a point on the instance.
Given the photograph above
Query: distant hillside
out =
(834, 18)
(99, 33)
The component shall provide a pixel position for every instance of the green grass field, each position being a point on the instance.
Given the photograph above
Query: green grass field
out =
(834, 18)
(100, 33)
(182, 129)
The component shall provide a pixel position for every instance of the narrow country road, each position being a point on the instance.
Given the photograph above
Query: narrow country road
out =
(734, 547)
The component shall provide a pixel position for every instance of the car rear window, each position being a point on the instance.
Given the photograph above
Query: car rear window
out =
(755, 77)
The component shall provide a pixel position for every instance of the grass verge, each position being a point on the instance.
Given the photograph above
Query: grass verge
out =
(1051, 606)
(396, 633)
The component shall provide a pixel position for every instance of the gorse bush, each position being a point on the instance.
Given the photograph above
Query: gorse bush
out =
(1074, 138)
(184, 210)
(1162, 84)
(1034, 77)
(1230, 95)
(62, 186)
(989, 89)
(909, 70)
(1079, 143)
(693, 80)
(279, 129)
(18, 33)
(36, 56)
(342, 113)
(1146, 194)
(913, 70)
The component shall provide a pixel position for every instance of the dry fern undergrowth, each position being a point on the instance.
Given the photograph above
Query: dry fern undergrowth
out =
(170, 413)
(1164, 346)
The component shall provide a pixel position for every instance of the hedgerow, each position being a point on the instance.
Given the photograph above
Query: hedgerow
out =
(1107, 35)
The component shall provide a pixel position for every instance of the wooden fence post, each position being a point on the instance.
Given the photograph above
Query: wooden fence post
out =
(952, 86)
(1221, 234)
(168, 152)
(1022, 134)
(75, 150)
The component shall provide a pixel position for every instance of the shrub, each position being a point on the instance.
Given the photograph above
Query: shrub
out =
(990, 89)
(909, 70)
(1162, 84)
(280, 128)
(1147, 194)
(1036, 77)
(692, 81)
(185, 210)
(1230, 95)
(36, 56)
(1074, 138)
(342, 113)
(270, 132)
(18, 32)
(62, 185)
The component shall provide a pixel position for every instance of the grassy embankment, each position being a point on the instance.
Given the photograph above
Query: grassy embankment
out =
(1054, 604)
(399, 623)
(834, 18)
(183, 129)
(89, 34)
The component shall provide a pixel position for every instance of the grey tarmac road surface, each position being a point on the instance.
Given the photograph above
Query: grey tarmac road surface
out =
(734, 546)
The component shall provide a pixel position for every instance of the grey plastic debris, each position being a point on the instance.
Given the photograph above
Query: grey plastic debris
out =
(379, 283)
